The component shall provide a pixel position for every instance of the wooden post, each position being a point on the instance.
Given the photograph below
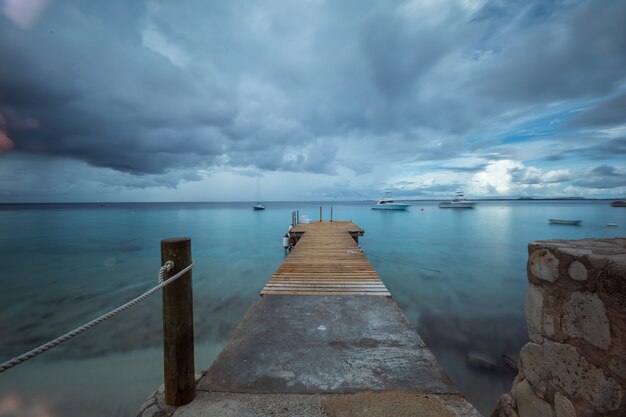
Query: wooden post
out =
(331, 214)
(320, 213)
(178, 345)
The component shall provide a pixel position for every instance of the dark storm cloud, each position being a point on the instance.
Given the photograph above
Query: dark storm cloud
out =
(579, 56)
(159, 88)
(99, 96)
(604, 150)
(603, 176)
(462, 170)
(398, 54)
(610, 113)
(248, 93)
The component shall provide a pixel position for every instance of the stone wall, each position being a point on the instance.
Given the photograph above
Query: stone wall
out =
(575, 361)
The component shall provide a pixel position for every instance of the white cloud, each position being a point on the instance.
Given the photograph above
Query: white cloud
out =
(509, 178)
(497, 178)
(533, 175)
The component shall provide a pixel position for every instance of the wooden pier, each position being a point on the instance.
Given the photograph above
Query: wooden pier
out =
(326, 261)
(324, 339)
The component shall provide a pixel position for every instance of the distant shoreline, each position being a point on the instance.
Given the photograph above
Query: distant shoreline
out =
(326, 202)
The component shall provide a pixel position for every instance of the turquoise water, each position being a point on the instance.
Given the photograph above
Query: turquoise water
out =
(63, 265)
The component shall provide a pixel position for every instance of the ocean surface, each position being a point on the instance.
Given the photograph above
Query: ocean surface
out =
(62, 265)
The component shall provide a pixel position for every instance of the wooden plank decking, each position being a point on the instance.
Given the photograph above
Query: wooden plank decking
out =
(326, 261)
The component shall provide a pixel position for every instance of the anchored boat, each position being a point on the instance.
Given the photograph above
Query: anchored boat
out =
(458, 201)
(567, 222)
(387, 203)
(258, 206)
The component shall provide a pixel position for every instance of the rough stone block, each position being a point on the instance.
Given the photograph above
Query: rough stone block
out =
(617, 365)
(577, 271)
(528, 404)
(544, 265)
(575, 363)
(533, 365)
(563, 406)
(549, 325)
(585, 317)
(561, 366)
(612, 287)
(505, 407)
(576, 253)
(533, 309)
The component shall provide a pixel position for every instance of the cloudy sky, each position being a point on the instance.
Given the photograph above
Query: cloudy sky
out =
(194, 100)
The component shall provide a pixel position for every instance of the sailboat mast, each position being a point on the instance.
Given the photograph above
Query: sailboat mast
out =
(258, 190)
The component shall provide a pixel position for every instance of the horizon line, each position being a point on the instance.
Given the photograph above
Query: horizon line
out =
(523, 198)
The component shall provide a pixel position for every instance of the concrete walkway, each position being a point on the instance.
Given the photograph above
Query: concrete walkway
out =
(298, 355)
(324, 340)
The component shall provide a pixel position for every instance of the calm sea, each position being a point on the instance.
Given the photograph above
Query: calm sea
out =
(62, 265)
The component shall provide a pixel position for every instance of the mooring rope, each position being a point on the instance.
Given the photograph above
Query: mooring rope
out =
(67, 336)
(368, 253)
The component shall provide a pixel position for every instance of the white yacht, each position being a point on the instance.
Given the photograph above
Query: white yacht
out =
(458, 201)
(258, 206)
(387, 203)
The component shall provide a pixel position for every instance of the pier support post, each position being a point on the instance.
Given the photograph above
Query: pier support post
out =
(320, 213)
(178, 344)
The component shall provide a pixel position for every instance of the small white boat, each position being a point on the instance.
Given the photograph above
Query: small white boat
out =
(387, 203)
(258, 206)
(458, 201)
(563, 221)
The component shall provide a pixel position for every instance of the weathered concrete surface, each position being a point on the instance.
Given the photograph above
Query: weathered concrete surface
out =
(386, 404)
(575, 363)
(304, 344)
(397, 404)
(322, 356)
(219, 404)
